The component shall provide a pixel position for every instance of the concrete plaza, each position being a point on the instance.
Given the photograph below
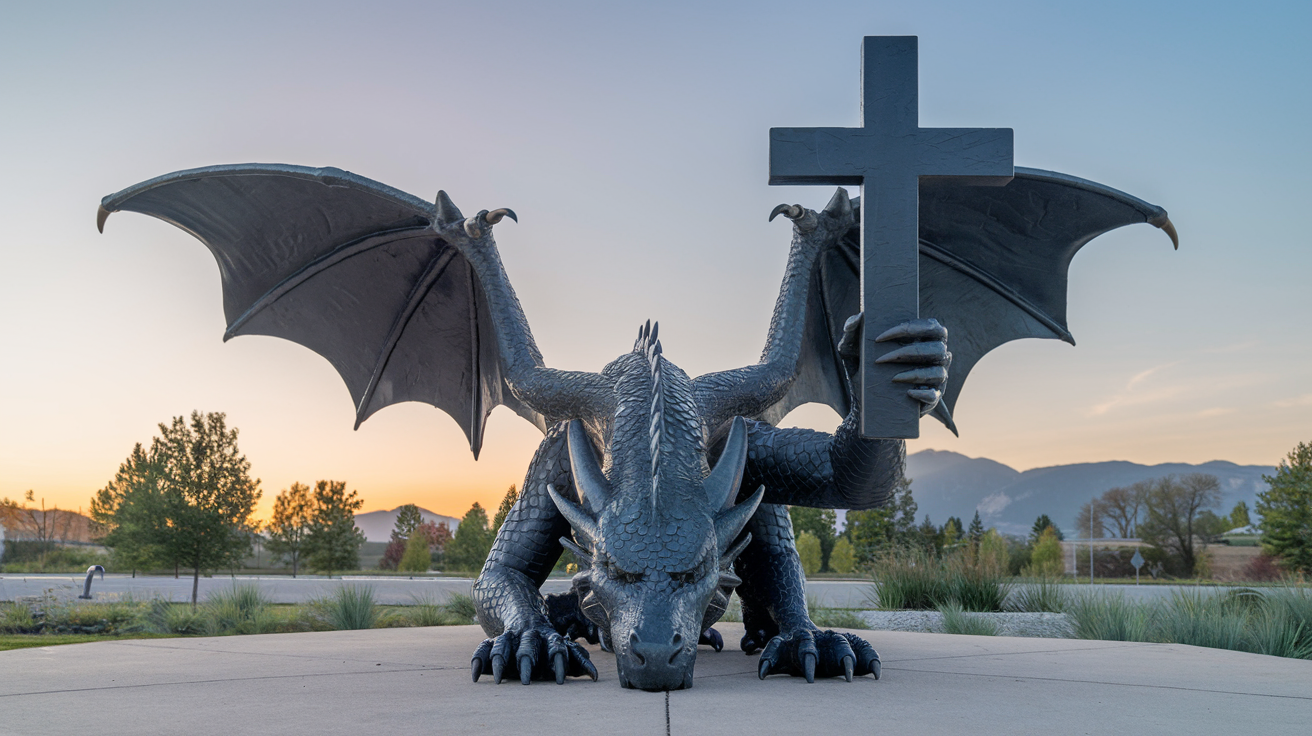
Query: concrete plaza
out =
(417, 681)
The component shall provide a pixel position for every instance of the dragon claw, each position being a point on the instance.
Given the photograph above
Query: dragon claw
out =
(812, 653)
(538, 653)
(808, 666)
(848, 665)
(712, 638)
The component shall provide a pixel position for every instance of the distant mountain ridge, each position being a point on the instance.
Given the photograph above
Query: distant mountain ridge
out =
(946, 483)
(377, 525)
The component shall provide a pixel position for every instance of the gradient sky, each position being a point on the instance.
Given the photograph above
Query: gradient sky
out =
(632, 142)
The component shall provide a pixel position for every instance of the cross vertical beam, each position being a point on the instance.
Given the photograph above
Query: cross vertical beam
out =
(887, 157)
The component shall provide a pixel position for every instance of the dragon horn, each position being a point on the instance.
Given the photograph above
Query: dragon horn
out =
(723, 482)
(730, 522)
(593, 488)
(840, 205)
(583, 524)
(447, 211)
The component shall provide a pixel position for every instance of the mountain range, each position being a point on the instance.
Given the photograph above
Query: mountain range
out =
(947, 484)
(377, 525)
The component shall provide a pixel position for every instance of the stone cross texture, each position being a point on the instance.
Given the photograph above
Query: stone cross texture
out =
(887, 157)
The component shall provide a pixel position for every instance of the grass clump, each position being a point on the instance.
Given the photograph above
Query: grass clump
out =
(242, 609)
(918, 581)
(957, 621)
(1111, 618)
(1038, 596)
(461, 609)
(350, 607)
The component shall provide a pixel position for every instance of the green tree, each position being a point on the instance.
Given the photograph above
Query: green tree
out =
(407, 518)
(976, 532)
(507, 503)
(1286, 510)
(808, 549)
(417, 556)
(842, 559)
(290, 525)
(188, 499)
(472, 541)
(952, 531)
(994, 555)
(1041, 523)
(1173, 522)
(1239, 516)
(1046, 562)
(873, 531)
(333, 542)
(820, 523)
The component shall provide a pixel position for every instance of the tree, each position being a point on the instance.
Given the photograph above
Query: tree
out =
(1239, 517)
(1286, 509)
(952, 532)
(841, 559)
(333, 542)
(290, 525)
(39, 524)
(1122, 507)
(873, 531)
(976, 531)
(439, 536)
(188, 499)
(820, 523)
(507, 503)
(1083, 522)
(407, 518)
(993, 553)
(472, 541)
(808, 550)
(1172, 522)
(416, 558)
(1046, 560)
(1041, 523)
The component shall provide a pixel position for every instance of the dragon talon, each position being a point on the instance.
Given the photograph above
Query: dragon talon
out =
(476, 668)
(763, 669)
(849, 665)
(558, 663)
(498, 668)
(525, 669)
(591, 668)
(808, 666)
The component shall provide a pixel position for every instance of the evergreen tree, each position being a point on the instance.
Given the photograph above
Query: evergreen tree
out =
(407, 518)
(976, 531)
(808, 550)
(1286, 510)
(1041, 523)
(290, 524)
(820, 523)
(472, 541)
(952, 532)
(841, 559)
(507, 503)
(333, 542)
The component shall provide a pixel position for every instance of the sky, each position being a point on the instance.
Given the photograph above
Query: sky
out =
(632, 141)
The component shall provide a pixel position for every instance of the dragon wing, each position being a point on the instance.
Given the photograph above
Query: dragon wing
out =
(351, 269)
(993, 268)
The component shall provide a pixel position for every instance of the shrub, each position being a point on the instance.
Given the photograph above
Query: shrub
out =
(808, 549)
(842, 559)
(426, 611)
(1045, 560)
(416, 557)
(957, 621)
(242, 609)
(1263, 569)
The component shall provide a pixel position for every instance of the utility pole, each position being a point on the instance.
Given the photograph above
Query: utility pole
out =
(1091, 503)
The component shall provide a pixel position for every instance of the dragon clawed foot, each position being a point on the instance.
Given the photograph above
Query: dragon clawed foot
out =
(536, 654)
(712, 639)
(812, 653)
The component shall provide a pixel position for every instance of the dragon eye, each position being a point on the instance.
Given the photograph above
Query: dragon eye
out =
(623, 576)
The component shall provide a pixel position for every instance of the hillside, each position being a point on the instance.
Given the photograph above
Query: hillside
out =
(377, 525)
(950, 484)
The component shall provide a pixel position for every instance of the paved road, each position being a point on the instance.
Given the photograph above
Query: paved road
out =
(417, 681)
(398, 590)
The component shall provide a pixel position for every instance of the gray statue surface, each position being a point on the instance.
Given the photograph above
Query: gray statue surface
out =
(671, 490)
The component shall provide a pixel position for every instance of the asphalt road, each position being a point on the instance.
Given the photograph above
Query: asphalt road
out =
(399, 590)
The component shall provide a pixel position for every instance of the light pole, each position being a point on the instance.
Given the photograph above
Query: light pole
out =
(1091, 504)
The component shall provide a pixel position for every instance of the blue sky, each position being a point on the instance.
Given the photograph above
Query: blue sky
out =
(632, 141)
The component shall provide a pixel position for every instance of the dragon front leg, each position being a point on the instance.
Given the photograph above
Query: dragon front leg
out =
(775, 612)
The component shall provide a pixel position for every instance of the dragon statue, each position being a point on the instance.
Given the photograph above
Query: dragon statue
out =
(670, 490)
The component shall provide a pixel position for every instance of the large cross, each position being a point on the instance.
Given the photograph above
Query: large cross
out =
(887, 157)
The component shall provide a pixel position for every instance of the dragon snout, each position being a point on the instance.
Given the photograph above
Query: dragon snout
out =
(657, 665)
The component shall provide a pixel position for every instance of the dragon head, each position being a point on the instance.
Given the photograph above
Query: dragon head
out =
(657, 533)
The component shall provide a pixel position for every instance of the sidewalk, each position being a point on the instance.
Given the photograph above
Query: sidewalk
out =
(417, 681)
